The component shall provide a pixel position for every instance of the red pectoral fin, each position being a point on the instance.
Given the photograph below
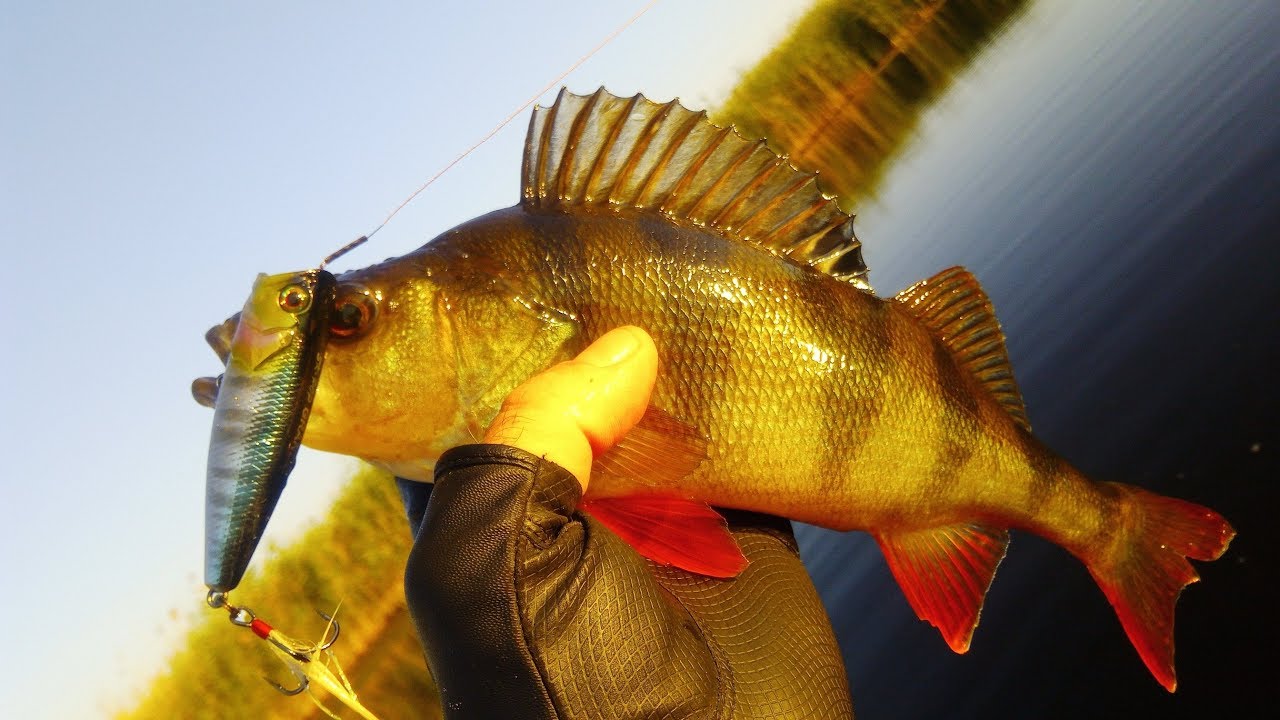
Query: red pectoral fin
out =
(945, 573)
(673, 531)
(653, 458)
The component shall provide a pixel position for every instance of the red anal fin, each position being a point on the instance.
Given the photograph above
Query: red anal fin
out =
(673, 531)
(1144, 573)
(945, 573)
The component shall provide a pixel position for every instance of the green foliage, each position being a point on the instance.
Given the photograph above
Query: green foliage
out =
(356, 557)
(844, 91)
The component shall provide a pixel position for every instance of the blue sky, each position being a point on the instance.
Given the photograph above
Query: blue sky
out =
(155, 157)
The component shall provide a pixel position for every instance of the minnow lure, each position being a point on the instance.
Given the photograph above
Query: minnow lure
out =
(273, 351)
(809, 396)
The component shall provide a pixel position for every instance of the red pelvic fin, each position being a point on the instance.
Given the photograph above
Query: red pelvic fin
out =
(672, 531)
(1144, 571)
(945, 573)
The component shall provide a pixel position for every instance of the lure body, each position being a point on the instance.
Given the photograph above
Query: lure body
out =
(812, 398)
(261, 408)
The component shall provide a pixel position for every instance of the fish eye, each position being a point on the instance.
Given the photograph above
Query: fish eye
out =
(353, 312)
(294, 299)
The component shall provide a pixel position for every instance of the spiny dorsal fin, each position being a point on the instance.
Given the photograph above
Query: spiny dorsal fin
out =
(957, 311)
(601, 149)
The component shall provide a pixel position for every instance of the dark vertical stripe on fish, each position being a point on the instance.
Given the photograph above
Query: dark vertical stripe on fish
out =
(956, 425)
(1046, 472)
(849, 418)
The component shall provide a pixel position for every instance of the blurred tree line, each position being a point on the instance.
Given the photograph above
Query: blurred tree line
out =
(842, 93)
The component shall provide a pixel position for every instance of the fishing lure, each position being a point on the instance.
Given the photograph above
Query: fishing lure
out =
(273, 350)
(310, 663)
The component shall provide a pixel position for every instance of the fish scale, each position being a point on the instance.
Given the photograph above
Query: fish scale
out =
(785, 385)
(791, 412)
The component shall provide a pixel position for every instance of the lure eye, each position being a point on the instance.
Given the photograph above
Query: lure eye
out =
(294, 299)
(353, 313)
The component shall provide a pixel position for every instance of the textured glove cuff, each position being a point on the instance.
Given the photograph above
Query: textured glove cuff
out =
(555, 492)
(465, 456)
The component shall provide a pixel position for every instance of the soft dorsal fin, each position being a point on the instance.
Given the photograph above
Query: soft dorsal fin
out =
(957, 311)
(605, 150)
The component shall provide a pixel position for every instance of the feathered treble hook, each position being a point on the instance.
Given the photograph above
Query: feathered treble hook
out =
(306, 661)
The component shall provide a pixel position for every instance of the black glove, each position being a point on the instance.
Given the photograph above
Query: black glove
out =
(528, 609)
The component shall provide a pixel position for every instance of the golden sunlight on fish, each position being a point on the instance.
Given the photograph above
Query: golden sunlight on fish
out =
(785, 385)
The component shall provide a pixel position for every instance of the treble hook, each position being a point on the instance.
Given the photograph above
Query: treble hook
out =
(337, 629)
(307, 662)
(302, 685)
(324, 645)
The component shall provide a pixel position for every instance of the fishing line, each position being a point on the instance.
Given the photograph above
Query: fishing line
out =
(495, 131)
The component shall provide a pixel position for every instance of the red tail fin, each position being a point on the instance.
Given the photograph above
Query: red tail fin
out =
(1143, 573)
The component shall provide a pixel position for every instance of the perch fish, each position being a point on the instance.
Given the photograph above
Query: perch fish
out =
(785, 384)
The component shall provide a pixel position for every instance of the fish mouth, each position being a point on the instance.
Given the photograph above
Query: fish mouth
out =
(205, 390)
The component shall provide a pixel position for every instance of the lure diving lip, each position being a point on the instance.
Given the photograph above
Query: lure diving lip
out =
(262, 402)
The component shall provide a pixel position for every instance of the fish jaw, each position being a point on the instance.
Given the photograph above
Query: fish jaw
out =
(259, 415)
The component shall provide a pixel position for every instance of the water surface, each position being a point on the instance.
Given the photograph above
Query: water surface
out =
(1112, 178)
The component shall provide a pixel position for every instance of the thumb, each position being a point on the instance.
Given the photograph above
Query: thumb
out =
(581, 408)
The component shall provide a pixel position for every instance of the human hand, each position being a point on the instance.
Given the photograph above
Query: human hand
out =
(528, 608)
(581, 408)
